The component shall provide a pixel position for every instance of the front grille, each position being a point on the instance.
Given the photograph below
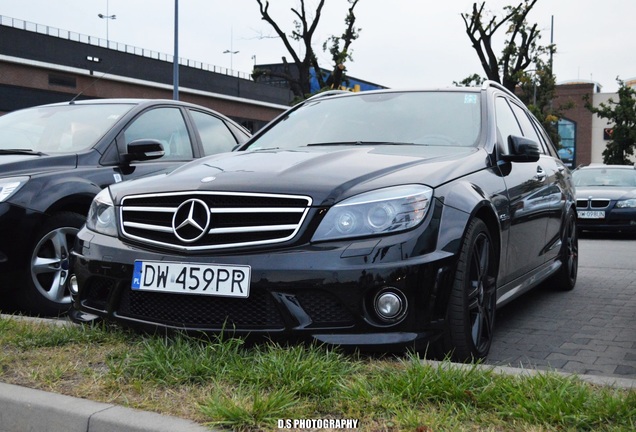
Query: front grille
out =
(593, 203)
(212, 220)
(202, 312)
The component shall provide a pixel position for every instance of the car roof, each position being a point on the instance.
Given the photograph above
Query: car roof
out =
(487, 85)
(133, 101)
(601, 166)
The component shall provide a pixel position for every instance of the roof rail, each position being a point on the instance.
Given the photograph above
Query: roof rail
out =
(495, 84)
(327, 94)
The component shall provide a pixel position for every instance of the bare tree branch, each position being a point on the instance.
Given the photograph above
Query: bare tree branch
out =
(519, 50)
(304, 31)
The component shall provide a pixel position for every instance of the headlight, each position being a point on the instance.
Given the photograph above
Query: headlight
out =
(101, 216)
(8, 186)
(628, 203)
(381, 211)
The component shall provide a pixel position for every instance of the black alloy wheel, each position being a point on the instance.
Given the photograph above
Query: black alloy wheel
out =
(472, 303)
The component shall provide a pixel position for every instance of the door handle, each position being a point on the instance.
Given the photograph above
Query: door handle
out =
(541, 175)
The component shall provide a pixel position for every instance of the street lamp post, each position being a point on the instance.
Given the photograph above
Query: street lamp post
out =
(175, 59)
(107, 17)
(231, 53)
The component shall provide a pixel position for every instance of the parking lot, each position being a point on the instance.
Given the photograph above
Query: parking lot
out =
(590, 330)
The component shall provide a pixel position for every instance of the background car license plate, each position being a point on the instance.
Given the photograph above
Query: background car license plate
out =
(183, 278)
(591, 214)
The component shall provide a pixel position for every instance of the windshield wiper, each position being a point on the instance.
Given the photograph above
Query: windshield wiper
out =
(21, 152)
(345, 143)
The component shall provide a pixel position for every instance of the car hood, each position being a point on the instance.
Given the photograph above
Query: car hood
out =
(606, 192)
(328, 174)
(19, 164)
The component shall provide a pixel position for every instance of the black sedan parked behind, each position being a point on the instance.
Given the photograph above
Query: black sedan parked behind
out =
(606, 197)
(377, 220)
(54, 159)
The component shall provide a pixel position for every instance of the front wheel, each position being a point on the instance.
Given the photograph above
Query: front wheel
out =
(44, 288)
(472, 302)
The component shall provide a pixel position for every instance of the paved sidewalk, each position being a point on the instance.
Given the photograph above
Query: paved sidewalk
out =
(590, 330)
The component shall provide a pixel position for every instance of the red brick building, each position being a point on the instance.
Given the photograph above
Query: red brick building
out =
(583, 133)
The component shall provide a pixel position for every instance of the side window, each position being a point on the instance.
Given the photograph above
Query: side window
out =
(165, 125)
(526, 126)
(215, 135)
(546, 139)
(506, 123)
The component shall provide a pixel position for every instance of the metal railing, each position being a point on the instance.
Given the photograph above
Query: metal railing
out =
(117, 46)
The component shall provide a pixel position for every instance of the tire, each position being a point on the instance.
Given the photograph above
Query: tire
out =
(472, 302)
(44, 286)
(565, 278)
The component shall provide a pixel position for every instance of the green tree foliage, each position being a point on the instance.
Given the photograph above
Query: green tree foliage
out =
(537, 89)
(521, 67)
(298, 72)
(474, 80)
(521, 48)
(622, 115)
(340, 54)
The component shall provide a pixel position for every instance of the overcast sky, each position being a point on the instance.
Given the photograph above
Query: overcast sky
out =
(403, 43)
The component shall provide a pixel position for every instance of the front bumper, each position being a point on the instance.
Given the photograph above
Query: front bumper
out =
(615, 220)
(315, 292)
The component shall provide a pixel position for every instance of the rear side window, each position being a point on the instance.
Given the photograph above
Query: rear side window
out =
(545, 139)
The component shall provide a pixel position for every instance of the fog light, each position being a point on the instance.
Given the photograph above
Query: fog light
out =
(72, 285)
(390, 305)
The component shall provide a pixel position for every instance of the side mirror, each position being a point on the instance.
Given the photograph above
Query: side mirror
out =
(521, 150)
(144, 149)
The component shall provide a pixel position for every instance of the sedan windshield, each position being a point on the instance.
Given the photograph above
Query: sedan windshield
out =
(57, 129)
(396, 118)
(605, 177)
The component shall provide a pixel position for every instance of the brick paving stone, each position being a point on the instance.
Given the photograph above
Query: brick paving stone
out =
(625, 370)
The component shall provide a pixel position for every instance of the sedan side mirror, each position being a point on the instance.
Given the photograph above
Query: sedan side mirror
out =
(144, 149)
(521, 150)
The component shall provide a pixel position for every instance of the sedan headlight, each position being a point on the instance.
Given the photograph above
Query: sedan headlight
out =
(101, 216)
(381, 211)
(628, 203)
(10, 185)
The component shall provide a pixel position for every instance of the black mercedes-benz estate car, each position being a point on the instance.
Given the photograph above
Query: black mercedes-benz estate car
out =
(379, 220)
(54, 159)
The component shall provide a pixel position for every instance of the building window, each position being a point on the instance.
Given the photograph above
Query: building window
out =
(567, 148)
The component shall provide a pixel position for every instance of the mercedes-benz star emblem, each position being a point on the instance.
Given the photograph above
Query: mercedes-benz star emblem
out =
(191, 220)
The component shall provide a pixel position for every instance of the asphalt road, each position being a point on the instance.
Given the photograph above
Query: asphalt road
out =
(589, 330)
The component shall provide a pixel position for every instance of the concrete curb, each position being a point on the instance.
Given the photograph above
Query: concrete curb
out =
(604, 381)
(25, 409)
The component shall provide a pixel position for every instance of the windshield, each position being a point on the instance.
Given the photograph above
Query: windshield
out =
(605, 177)
(58, 129)
(412, 118)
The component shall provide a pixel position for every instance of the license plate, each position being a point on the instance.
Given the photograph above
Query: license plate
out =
(184, 278)
(591, 214)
